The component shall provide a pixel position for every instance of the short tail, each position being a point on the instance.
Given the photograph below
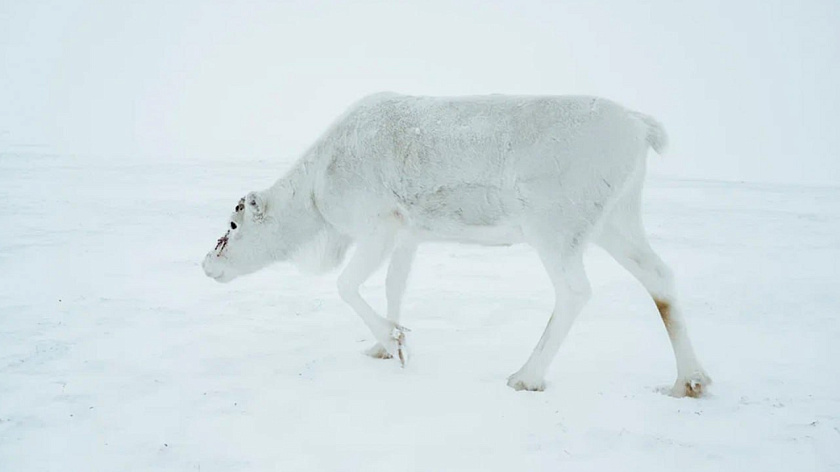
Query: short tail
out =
(657, 138)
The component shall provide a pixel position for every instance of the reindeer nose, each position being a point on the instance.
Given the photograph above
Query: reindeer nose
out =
(213, 270)
(210, 266)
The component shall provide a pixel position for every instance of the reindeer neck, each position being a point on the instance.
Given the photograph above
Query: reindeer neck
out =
(290, 203)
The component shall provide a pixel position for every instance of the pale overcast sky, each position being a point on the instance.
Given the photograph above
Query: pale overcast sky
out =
(748, 90)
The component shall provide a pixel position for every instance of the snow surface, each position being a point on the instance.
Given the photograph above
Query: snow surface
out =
(118, 354)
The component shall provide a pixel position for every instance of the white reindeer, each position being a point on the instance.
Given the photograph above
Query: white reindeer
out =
(394, 171)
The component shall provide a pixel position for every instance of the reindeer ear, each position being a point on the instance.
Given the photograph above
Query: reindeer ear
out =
(256, 203)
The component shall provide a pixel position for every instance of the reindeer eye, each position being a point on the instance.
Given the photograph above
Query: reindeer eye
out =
(232, 225)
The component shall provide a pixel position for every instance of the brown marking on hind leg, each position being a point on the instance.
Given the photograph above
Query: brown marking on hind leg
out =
(664, 308)
(693, 386)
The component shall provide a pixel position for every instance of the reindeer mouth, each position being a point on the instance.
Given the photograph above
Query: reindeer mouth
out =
(221, 244)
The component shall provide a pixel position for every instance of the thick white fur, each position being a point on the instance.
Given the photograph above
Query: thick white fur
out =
(394, 171)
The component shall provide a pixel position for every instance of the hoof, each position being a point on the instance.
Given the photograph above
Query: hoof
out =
(694, 386)
(391, 345)
(519, 382)
(378, 352)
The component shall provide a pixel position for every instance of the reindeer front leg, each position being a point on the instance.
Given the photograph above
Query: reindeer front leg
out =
(369, 254)
(395, 283)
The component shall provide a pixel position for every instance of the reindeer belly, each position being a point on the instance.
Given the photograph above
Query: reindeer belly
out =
(465, 212)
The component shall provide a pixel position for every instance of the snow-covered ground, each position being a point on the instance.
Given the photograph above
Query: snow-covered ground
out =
(118, 354)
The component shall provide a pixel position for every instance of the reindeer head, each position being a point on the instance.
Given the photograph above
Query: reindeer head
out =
(245, 246)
